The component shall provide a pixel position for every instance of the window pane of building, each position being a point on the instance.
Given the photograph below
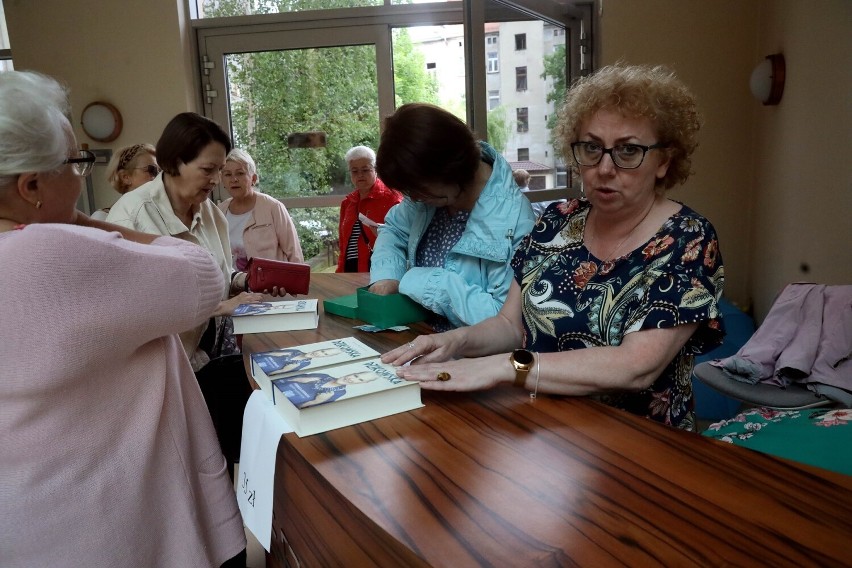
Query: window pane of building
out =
(523, 119)
(493, 99)
(520, 78)
(523, 154)
(520, 42)
(493, 62)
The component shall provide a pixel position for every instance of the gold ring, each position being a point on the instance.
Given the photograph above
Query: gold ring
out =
(444, 376)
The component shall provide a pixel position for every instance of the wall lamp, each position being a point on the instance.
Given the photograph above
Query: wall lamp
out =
(767, 79)
(101, 121)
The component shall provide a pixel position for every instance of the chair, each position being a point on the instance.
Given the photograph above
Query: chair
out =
(793, 422)
(794, 397)
(712, 404)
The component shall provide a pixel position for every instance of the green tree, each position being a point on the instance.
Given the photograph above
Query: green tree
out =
(333, 90)
(554, 66)
(412, 83)
(498, 128)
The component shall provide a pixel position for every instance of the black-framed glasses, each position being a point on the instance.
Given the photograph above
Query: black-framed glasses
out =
(150, 169)
(82, 165)
(625, 156)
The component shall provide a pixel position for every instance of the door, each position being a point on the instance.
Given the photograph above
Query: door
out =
(296, 101)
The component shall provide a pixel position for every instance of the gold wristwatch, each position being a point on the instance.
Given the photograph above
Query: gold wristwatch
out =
(522, 360)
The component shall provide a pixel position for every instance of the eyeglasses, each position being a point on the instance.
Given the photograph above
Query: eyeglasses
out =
(151, 170)
(625, 156)
(82, 165)
(363, 171)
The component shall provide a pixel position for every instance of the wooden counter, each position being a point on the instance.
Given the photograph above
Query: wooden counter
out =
(496, 479)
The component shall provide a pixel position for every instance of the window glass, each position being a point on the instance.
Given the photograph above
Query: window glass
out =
(493, 62)
(5, 48)
(428, 66)
(224, 8)
(523, 115)
(520, 78)
(493, 99)
(530, 88)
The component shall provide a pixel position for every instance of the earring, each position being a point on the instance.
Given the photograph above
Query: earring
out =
(38, 204)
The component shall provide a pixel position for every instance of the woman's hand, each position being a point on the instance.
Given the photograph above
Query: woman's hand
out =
(426, 349)
(227, 307)
(472, 374)
(385, 287)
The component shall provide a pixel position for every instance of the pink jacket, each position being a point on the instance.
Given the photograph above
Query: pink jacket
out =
(270, 233)
(108, 456)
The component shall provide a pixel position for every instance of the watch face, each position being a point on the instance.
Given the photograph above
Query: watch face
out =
(522, 356)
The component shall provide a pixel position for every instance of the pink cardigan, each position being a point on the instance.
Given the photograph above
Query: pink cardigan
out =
(270, 233)
(108, 456)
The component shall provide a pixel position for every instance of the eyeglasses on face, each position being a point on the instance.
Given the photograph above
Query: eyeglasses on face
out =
(150, 169)
(625, 156)
(82, 165)
(361, 171)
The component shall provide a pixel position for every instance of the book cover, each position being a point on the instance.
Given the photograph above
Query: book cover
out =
(288, 315)
(277, 363)
(333, 397)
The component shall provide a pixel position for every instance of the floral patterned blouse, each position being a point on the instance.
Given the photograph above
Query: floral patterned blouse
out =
(573, 300)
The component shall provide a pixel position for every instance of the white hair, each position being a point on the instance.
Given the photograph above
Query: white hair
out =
(242, 157)
(34, 126)
(360, 152)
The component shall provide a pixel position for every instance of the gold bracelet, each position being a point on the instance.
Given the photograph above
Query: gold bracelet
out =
(537, 369)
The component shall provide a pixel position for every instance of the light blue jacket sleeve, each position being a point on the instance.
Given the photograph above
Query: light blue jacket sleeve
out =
(459, 299)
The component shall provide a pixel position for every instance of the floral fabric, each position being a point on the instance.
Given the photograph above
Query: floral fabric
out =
(819, 437)
(572, 300)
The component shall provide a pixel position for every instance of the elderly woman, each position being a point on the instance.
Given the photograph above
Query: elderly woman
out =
(615, 293)
(371, 199)
(192, 152)
(258, 225)
(105, 432)
(448, 244)
(129, 168)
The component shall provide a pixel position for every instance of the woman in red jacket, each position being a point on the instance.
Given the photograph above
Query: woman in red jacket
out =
(362, 211)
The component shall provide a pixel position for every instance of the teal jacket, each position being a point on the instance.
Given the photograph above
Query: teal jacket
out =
(476, 276)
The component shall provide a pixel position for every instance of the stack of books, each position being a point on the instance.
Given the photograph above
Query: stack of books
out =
(331, 384)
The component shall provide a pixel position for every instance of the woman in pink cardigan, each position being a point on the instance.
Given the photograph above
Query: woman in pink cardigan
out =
(109, 457)
(258, 225)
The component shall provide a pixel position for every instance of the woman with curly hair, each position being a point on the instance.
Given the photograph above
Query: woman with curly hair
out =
(614, 293)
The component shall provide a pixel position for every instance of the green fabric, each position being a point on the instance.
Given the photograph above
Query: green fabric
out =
(821, 438)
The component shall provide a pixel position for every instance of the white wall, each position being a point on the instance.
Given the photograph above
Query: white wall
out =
(775, 181)
(803, 151)
(710, 45)
(134, 55)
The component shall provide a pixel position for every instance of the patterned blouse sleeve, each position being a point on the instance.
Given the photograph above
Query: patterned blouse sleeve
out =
(686, 277)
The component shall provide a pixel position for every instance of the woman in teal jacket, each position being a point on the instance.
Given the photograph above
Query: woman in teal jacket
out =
(448, 244)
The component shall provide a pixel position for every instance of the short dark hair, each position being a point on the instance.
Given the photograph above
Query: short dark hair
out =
(183, 139)
(423, 144)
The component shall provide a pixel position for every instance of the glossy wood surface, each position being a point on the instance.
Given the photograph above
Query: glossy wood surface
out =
(497, 479)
